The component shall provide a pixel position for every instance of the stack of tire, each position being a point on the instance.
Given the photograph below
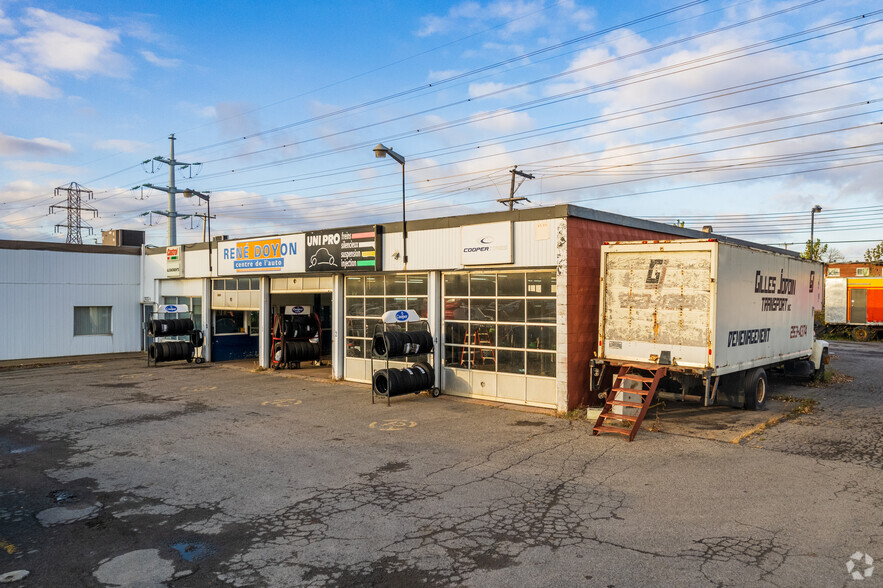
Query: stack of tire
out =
(401, 343)
(302, 351)
(412, 380)
(171, 351)
(296, 327)
(169, 327)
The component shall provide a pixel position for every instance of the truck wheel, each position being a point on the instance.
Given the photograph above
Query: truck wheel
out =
(755, 389)
(861, 334)
(819, 374)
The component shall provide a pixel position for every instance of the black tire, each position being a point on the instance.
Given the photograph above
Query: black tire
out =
(861, 334)
(435, 392)
(756, 389)
(378, 346)
(200, 360)
(151, 352)
(429, 378)
(819, 374)
(396, 383)
(381, 383)
(197, 338)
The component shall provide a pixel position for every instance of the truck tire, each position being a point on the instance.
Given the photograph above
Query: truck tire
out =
(861, 334)
(756, 386)
(819, 374)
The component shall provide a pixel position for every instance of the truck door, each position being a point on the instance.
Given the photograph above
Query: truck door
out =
(858, 305)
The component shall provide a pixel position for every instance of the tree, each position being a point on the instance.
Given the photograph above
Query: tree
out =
(875, 253)
(833, 256)
(815, 252)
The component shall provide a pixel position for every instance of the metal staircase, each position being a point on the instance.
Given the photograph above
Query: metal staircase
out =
(646, 389)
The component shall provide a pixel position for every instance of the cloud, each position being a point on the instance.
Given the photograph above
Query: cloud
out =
(15, 81)
(6, 26)
(123, 145)
(40, 146)
(58, 43)
(493, 90)
(43, 168)
(150, 57)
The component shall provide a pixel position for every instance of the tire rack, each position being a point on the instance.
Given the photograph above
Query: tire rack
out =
(283, 362)
(383, 327)
(197, 351)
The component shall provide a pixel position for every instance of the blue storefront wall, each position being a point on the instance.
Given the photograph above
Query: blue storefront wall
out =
(229, 347)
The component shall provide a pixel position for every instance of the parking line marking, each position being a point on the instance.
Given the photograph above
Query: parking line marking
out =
(282, 402)
(393, 425)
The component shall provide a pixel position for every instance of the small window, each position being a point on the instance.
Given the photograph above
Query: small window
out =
(863, 271)
(92, 320)
(833, 272)
(255, 283)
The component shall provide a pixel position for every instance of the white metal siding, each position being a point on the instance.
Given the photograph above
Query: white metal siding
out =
(436, 249)
(39, 290)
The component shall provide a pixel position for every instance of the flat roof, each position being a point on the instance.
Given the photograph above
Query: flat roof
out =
(69, 247)
(524, 214)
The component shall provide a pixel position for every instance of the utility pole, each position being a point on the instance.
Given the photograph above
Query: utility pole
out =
(75, 208)
(511, 200)
(171, 190)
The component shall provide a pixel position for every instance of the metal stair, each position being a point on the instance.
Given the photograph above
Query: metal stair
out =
(647, 391)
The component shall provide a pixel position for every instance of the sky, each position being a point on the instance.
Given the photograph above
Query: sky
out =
(742, 115)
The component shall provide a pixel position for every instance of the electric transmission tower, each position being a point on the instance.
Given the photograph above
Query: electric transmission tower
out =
(75, 207)
(171, 190)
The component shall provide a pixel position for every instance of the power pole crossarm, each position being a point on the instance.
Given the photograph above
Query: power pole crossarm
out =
(511, 200)
(171, 190)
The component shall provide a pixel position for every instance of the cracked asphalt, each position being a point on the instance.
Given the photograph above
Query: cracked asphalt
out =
(113, 474)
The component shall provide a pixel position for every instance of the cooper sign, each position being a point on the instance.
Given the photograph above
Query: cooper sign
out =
(486, 244)
(282, 254)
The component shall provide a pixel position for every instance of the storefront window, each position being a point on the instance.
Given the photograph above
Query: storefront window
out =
(502, 322)
(194, 303)
(368, 297)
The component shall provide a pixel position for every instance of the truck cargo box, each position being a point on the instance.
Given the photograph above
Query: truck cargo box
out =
(706, 305)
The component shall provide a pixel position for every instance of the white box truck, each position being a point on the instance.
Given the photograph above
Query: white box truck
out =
(710, 317)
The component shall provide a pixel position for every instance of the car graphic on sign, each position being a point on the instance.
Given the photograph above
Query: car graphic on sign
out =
(321, 257)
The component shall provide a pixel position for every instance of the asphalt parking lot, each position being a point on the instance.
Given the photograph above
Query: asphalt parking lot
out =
(113, 474)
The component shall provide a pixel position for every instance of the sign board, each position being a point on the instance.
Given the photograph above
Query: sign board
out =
(298, 310)
(400, 316)
(282, 254)
(175, 261)
(354, 249)
(486, 244)
(172, 308)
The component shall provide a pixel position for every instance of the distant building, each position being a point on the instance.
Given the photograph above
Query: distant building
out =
(854, 270)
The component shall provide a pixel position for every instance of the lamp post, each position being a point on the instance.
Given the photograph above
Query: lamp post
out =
(812, 227)
(382, 151)
(188, 193)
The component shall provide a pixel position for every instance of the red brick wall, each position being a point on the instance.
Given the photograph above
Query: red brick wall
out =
(584, 240)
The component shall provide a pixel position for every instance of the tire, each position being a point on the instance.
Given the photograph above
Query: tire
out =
(429, 378)
(381, 383)
(435, 392)
(861, 334)
(151, 352)
(197, 338)
(756, 389)
(819, 374)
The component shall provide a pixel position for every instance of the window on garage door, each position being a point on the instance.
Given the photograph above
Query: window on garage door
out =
(501, 321)
(368, 297)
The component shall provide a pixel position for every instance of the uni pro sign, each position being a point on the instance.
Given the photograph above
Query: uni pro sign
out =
(282, 254)
(353, 249)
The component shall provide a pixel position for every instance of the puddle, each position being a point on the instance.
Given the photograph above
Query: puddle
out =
(528, 424)
(63, 496)
(193, 551)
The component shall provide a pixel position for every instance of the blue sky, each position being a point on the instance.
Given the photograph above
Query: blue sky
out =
(742, 115)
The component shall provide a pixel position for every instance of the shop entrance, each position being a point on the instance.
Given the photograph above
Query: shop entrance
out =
(319, 303)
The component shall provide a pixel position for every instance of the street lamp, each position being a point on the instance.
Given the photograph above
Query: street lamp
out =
(812, 227)
(188, 193)
(382, 151)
